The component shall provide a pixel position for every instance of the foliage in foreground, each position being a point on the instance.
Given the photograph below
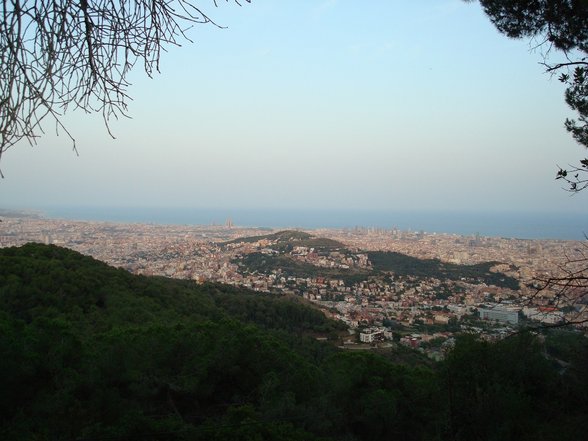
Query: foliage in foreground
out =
(90, 352)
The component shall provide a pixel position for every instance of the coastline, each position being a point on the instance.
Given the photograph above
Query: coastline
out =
(497, 224)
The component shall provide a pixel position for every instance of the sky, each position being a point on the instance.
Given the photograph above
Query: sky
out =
(331, 104)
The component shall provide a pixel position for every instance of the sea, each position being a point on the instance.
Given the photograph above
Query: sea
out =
(563, 226)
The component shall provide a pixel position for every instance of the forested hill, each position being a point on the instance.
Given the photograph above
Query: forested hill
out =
(37, 281)
(289, 238)
(401, 264)
(89, 352)
(284, 259)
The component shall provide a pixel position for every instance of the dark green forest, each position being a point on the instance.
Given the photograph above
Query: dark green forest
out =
(268, 263)
(90, 352)
(403, 265)
(382, 262)
(284, 240)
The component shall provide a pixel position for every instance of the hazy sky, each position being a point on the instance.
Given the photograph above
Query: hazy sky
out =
(388, 105)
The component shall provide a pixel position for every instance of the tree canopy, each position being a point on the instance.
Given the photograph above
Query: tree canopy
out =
(555, 26)
(90, 352)
(61, 54)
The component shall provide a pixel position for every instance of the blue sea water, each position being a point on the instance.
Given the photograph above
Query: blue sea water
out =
(565, 226)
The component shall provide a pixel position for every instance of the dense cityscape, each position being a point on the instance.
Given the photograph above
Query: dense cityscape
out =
(336, 270)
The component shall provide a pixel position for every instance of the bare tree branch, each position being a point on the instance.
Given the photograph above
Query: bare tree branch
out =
(567, 288)
(57, 54)
(576, 177)
(557, 66)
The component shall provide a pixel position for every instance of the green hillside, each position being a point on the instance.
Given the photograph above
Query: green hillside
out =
(292, 238)
(280, 236)
(403, 265)
(382, 262)
(89, 352)
(267, 263)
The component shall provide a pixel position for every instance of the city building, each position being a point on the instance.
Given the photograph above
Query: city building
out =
(502, 315)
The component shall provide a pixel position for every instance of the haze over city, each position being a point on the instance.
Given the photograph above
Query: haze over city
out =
(332, 104)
